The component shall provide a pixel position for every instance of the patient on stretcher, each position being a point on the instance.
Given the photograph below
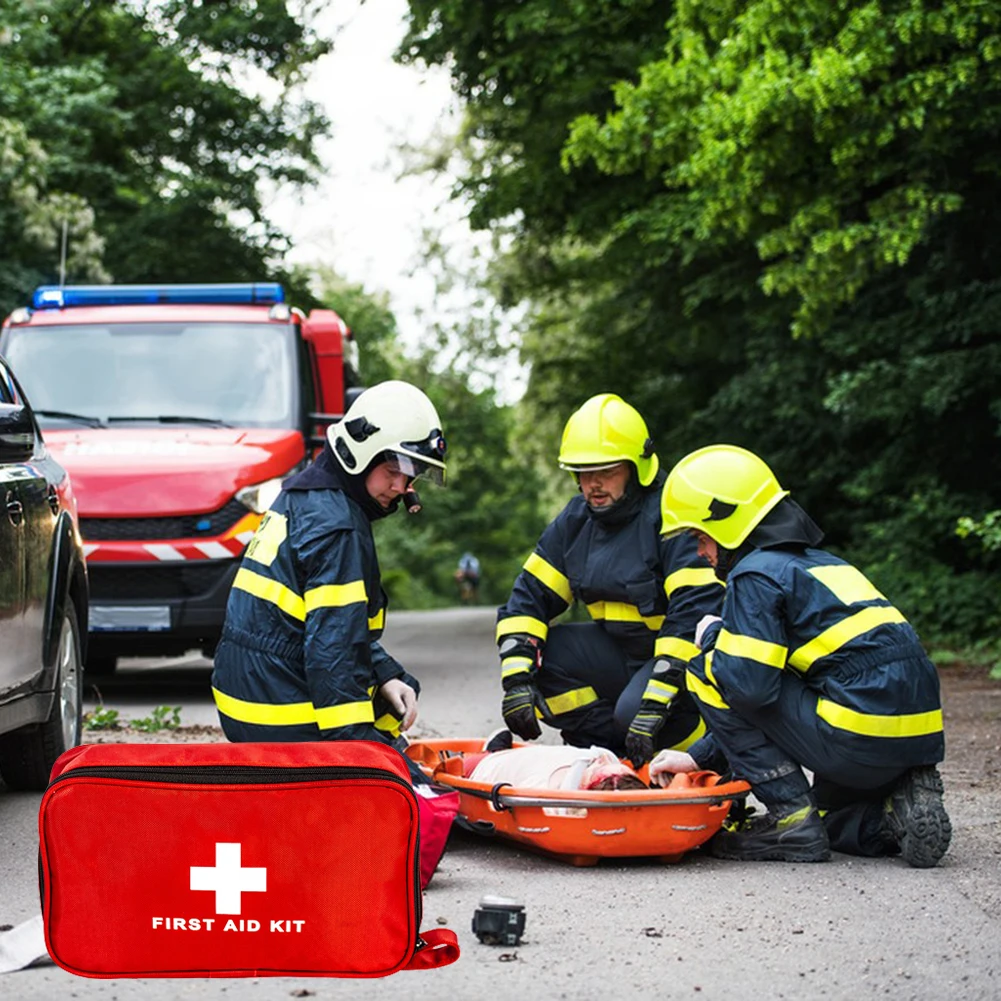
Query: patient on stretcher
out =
(544, 766)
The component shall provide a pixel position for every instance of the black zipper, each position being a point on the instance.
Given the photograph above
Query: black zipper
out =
(249, 775)
(238, 774)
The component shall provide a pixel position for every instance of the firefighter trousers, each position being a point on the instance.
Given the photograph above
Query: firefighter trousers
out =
(770, 746)
(593, 691)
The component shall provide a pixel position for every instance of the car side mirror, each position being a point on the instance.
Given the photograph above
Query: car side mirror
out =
(17, 433)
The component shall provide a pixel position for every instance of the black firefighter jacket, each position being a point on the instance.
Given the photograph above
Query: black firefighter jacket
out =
(299, 657)
(808, 612)
(646, 591)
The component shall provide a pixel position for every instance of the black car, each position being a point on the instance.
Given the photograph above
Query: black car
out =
(43, 599)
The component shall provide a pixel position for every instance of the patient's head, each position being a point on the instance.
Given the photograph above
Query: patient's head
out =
(604, 775)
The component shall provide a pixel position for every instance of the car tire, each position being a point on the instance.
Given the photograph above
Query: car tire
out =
(27, 755)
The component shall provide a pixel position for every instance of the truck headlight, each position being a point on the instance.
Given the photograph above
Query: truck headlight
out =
(260, 496)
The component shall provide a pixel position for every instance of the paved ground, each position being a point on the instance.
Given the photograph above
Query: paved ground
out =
(705, 928)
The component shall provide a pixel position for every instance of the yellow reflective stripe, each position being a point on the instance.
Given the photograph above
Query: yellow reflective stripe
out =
(848, 584)
(709, 669)
(569, 701)
(271, 533)
(793, 818)
(515, 665)
(737, 645)
(549, 576)
(699, 731)
(674, 646)
(619, 611)
(272, 591)
(872, 725)
(704, 693)
(335, 595)
(377, 621)
(522, 624)
(293, 714)
(690, 577)
(658, 691)
(836, 636)
(388, 723)
(331, 717)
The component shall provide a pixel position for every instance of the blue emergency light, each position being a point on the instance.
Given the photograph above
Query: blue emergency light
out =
(233, 293)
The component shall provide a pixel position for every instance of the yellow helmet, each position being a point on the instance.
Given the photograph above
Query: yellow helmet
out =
(605, 431)
(722, 490)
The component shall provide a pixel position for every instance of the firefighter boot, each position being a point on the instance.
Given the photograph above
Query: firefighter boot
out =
(789, 832)
(914, 816)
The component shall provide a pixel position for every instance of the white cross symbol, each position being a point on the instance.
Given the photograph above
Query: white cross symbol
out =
(227, 878)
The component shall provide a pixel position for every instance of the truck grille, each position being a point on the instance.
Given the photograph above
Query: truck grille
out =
(187, 526)
(131, 582)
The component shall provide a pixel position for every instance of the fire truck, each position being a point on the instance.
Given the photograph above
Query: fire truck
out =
(178, 411)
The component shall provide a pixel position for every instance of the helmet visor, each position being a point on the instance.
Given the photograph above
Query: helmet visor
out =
(677, 533)
(426, 457)
(590, 467)
(414, 468)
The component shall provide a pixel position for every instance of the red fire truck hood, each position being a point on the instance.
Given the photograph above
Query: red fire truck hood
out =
(149, 472)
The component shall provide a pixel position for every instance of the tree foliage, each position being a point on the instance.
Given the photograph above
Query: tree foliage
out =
(832, 135)
(774, 227)
(134, 124)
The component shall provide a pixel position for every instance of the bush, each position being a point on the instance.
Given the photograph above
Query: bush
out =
(942, 606)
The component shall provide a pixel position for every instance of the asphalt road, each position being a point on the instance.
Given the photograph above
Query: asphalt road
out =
(704, 928)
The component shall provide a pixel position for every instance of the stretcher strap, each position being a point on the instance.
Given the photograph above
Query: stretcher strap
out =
(441, 948)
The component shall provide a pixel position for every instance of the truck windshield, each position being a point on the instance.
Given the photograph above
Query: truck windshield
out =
(237, 374)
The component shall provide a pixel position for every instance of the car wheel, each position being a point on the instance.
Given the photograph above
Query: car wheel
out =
(27, 755)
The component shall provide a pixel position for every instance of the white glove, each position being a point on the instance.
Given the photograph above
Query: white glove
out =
(704, 623)
(668, 763)
(403, 699)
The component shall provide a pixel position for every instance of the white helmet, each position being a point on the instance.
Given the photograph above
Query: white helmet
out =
(395, 422)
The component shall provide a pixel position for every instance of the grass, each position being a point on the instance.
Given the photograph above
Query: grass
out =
(983, 655)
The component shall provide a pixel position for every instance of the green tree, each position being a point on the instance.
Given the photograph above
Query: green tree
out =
(143, 116)
(833, 136)
(32, 212)
(769, 170)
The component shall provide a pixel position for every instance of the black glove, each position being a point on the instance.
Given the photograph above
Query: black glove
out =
(518, 709)
(521, 657)
(646, 723)
(660, 695)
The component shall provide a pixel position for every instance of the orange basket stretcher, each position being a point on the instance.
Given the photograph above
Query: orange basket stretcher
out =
(582, 827)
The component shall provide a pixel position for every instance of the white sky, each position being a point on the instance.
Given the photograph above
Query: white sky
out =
(362, 219)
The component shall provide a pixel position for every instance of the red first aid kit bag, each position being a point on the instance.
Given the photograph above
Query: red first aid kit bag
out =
(234, 860)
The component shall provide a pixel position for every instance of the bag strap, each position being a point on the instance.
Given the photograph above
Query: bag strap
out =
(440, 948)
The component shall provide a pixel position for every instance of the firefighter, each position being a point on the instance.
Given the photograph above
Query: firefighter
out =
(300, 657)
(617, 681)
(809, 667)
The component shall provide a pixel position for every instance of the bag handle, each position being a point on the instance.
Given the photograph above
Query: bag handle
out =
(440, 948)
